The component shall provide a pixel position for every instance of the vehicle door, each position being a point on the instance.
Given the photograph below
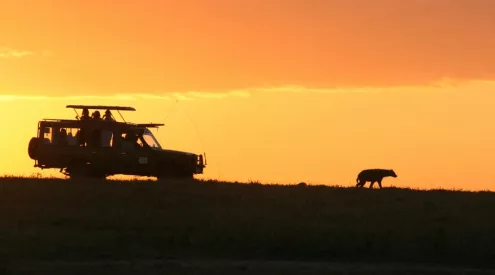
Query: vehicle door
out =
(135, 157)
(103, 154)
(110, 153)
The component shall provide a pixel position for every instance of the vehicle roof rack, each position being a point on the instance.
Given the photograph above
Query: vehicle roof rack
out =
(101, 107)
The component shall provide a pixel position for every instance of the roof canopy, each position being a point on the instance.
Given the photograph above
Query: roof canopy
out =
(100, 107)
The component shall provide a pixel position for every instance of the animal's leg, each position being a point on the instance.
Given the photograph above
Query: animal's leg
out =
(380, 184)
(371, 184)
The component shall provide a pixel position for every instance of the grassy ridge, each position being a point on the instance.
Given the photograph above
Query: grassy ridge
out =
(58, 219)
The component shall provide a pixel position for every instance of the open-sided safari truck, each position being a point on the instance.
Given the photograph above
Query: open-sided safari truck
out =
(101, 146)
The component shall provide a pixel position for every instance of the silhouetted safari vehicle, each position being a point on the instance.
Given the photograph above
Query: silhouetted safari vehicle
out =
(100, 147)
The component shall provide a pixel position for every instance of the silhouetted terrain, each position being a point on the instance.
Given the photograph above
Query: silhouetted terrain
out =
(44, 220)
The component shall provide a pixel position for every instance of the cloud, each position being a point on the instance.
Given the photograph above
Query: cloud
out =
(303, 89)
(444, 85)
(186, 96)
(9, 98)
(6, 52)
(300, 89)
(450, 84)
(217, 95)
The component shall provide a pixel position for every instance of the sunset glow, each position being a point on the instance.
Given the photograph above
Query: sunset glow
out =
(272, 91)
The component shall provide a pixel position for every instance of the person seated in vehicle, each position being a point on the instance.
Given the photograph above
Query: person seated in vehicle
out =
(85, 114)
(108, 116)
(71, 140)
(96, 115)
(94, 139)
(81, 137)
(62, 137)
(130, 141)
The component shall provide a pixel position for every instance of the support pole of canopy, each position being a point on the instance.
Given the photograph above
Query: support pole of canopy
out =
(121, 116)
(77, 114)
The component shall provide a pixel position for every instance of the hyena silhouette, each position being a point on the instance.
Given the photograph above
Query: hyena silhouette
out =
(373, 175)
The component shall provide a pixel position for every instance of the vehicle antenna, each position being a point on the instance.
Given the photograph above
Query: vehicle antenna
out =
(173, 109)
(194, 125)
(199, 136)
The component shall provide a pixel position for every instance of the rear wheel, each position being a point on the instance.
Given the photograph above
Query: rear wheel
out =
(77, 170)
(81, 169)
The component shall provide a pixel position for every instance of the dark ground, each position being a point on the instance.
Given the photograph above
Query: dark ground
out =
(230, 267)
(60, 227)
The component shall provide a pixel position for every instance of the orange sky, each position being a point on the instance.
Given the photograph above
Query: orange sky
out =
(281, 91)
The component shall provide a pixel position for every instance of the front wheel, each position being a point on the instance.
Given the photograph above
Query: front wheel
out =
(175, 177)
(163, 176)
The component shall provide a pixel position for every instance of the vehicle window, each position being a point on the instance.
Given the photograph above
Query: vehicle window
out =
(72, 136)
(130, 141)
(47, 135)
(106, 138)
(140, 143)
(150, 140)
(62, 138)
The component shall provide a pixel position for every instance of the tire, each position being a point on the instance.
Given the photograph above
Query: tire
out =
(33, 147)
(81, 170)
(77, 170)
(178, 175)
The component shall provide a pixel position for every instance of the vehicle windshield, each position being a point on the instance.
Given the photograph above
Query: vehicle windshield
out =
(151, 140)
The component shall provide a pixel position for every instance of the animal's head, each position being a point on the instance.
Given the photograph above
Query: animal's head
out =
(393, 174)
